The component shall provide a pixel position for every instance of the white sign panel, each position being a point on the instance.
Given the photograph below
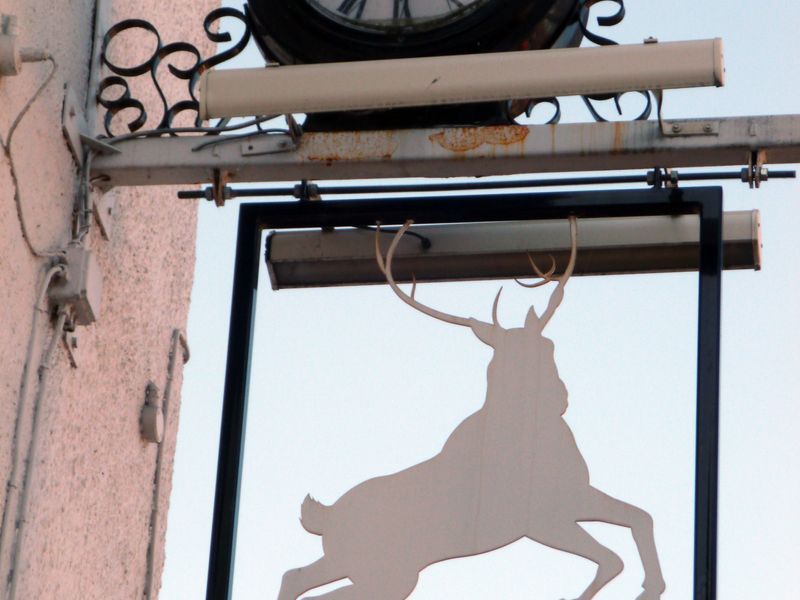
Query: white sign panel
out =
(511, 470)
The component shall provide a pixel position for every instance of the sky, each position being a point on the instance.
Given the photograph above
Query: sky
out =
(350, 383)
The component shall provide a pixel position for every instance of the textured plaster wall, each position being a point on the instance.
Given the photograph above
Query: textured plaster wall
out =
(87, 531)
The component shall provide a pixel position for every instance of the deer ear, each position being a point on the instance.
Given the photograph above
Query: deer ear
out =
(483, 331)
(532, 321)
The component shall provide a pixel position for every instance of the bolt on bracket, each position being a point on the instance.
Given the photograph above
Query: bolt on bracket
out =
(684, 128)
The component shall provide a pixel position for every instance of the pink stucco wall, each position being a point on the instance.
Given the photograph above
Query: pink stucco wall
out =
(90, 495)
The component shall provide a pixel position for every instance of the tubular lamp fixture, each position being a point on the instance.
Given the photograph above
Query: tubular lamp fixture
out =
(499, 250)
(441, 80)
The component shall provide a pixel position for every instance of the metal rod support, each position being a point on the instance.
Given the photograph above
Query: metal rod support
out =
(473, 185)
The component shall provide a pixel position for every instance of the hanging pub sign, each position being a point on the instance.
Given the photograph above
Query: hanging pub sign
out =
(510, 470)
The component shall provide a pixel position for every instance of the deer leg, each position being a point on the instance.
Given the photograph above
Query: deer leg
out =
(571, 537)
(298, 581)
(349, 592)
(605, 508)
(375, 589)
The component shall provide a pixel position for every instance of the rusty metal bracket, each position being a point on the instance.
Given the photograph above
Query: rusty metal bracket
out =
(451, 152)
(220, 190)
(756, 172)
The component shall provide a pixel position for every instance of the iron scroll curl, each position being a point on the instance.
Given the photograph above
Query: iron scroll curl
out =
(610, 21)
(582, 17)
(114, 92)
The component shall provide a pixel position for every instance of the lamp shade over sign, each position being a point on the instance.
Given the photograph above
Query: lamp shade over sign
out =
(500, 250)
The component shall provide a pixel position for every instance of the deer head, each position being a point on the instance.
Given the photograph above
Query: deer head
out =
(488, 333)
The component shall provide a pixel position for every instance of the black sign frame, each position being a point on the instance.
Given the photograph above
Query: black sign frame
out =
(255, 218)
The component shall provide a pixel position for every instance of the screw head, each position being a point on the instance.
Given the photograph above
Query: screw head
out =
(676, 128)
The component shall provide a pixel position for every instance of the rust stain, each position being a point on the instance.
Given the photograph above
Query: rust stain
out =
(340, 147)
(617, 137)
(465, 139)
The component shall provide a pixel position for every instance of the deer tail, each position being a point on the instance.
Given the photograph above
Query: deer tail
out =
(313, 515)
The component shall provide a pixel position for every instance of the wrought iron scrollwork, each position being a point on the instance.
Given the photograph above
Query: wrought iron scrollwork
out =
(115, 92)
(610, 21)
(583, 9)
(163, 53)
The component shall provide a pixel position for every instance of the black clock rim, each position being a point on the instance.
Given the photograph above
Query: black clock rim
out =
(293, 31)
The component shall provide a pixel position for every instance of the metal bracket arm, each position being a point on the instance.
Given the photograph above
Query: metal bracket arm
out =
(453, 152)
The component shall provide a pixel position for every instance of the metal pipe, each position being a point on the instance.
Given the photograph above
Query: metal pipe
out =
(707, 430)
(22, 509)
(441, 80)
(12, 485)
(500, 250)
(234, 409)
(451, 152)
(155, 513)
(296, 191)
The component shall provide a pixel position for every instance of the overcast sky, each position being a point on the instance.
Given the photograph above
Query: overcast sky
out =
(351, 383)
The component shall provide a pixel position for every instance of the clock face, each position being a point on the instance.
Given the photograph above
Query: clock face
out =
(397, 14)
(316, 31)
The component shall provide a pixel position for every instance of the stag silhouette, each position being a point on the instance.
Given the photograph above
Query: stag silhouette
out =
(510, 470)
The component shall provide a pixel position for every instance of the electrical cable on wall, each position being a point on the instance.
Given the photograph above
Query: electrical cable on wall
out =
(17, 486)
(178, 339)
(27, 55)
(82, 213)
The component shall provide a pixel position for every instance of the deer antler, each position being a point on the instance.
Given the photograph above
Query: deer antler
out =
(495, 320)
(546, 277)
(558, 295)
(386, 269)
